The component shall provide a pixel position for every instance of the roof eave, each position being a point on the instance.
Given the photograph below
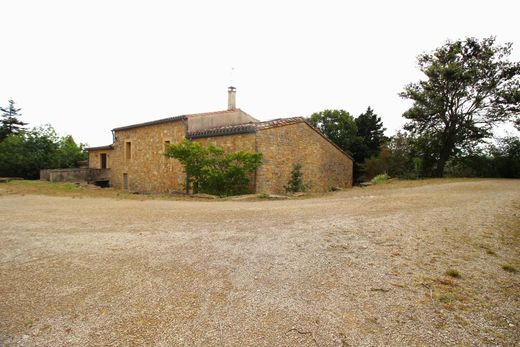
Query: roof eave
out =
(221, 132)
(154, 122)
(100, 148)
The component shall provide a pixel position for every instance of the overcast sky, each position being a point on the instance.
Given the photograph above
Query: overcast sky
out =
(86, 67)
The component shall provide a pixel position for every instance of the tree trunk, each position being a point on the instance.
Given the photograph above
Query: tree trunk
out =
(445, 154)
(441, 164)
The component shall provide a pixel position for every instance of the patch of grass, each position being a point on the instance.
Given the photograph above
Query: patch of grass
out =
(445, 281)
(380, 179)
(41, 187)
(74, 190)
(446, 298)
(393, 183)
(509, 268)
(488, 249)
(68, 186)
(453, 273)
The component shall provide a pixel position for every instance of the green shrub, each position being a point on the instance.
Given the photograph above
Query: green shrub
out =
(296, 183)
(380, 179)
(211, 170)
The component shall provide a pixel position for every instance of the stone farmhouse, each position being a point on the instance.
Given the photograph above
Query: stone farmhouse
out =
(135, 161)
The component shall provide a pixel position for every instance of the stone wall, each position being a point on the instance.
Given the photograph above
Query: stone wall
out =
(94, 158)
(148, 169)
(64, 175)
(231, 143)
(45, 175)
(75, 175)
(323, 165)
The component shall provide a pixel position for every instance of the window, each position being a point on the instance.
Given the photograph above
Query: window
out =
(128, 150)
(166, 144)
(103, 158)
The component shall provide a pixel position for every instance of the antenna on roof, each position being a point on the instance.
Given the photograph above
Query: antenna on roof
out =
(231, 76)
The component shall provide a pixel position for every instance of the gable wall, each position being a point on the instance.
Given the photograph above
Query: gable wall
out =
(148, 169)
(323, 165)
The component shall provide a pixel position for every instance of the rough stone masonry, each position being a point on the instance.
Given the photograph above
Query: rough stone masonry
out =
(136, 161)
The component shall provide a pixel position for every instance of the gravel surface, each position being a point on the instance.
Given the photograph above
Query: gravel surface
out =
(363, 267)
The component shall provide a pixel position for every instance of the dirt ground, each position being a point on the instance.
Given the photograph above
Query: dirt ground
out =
(363, 267)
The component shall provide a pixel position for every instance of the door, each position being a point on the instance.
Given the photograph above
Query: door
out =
(125, 181)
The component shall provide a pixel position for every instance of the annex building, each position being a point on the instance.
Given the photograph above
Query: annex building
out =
(135, 161)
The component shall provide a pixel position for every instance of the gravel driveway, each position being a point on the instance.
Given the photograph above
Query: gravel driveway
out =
(363, 267)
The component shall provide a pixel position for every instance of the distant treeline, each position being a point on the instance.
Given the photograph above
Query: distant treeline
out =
(23, 152)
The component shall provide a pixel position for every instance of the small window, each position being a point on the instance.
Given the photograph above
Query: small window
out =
(103, 160)
(128, 150)
(166, 145)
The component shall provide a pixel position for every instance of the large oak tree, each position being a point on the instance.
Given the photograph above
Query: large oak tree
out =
(470, 87)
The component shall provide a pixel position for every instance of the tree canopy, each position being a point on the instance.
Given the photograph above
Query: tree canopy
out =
(371, 135)
(23, 154)
(338, 125)
(470, 86)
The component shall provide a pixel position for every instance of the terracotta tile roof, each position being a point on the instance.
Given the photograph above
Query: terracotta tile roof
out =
(99, 148)
(154, 122)
(279, 122)
(244, 128)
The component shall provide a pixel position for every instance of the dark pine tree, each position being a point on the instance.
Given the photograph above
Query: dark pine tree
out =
(9, 122)
(371, 133)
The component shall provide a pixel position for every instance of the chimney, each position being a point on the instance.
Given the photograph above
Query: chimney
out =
(232, 105)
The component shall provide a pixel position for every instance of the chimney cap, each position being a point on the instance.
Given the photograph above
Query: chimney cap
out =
(232, 98)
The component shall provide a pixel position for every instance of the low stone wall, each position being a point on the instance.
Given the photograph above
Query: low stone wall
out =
(74, 175)
(45, 175)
